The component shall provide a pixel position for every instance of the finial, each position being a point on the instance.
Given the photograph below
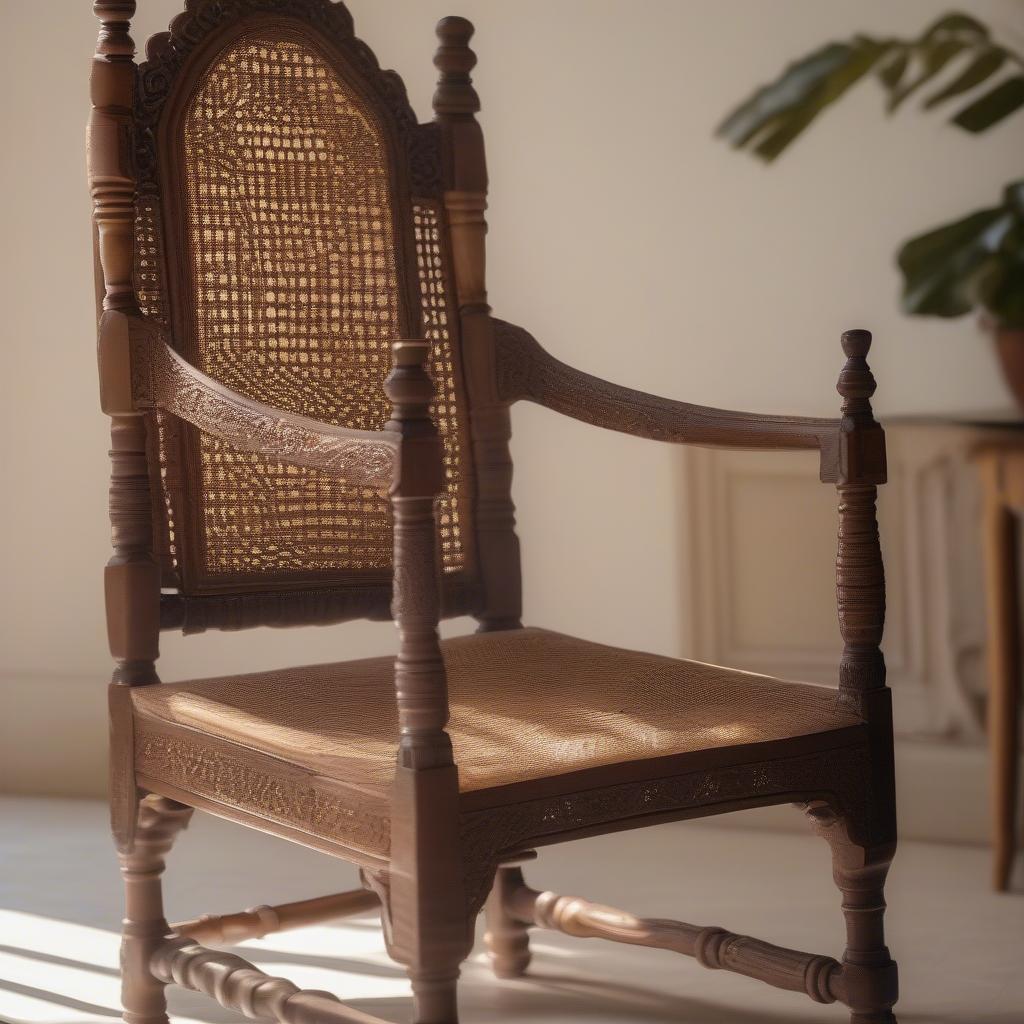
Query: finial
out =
(114, 42)
(454, 59)
(856, 382)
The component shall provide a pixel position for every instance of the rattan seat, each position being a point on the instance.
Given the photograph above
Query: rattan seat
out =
(518, 721)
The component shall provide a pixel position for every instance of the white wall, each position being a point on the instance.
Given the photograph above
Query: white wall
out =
(632, 243)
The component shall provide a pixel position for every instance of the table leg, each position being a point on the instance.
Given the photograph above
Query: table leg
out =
(1004, 681)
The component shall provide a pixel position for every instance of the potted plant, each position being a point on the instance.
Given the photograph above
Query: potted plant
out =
(973, 263)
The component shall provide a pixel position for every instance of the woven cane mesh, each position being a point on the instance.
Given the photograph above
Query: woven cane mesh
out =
(525, 705)
(292, 298)
(149, 291)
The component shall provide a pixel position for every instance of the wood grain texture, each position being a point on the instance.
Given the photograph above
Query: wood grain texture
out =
(1002, 472)
(455, 105)
(163, 379)
(714, 948)
(230, 929)
(144, 927)
(526, 372)
(237, 985)
(132, 576)
(860, 578)
(868, 982)
(429, 930)
(430, 856)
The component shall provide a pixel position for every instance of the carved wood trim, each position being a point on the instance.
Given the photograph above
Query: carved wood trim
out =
(841, 778)
(527, 372)
(167, 53)
(163, 379)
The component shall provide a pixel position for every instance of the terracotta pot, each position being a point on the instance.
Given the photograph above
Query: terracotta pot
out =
(1010, 346)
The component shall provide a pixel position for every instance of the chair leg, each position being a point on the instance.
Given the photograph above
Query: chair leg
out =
(144, 927)
(507, 938)
(870, 985)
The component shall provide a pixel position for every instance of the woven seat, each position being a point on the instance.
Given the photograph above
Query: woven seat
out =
(527, 707)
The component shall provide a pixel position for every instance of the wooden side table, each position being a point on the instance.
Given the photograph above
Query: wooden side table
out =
(1001, 464)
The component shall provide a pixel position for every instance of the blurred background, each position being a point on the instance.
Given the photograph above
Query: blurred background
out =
(635, 245)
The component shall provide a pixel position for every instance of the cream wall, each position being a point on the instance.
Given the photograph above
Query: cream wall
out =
(632, 243)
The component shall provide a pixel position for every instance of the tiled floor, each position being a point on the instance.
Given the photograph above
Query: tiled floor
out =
(961, 948)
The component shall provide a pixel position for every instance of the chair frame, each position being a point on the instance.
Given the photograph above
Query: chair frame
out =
(453, 855)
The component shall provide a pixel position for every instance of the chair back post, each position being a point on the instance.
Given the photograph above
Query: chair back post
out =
(455, 106)
(427, 928)
(132, 576)
(860, 578)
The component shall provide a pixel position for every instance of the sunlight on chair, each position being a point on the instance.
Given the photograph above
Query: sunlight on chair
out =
(86, 989)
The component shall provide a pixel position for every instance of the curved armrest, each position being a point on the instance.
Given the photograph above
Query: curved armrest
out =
(163, 379)
(527, 372)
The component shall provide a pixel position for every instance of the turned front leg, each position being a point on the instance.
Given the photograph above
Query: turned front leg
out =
(144, 926)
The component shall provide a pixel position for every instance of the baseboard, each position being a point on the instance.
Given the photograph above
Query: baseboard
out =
(55, 744)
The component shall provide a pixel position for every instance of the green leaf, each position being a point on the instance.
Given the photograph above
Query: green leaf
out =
(934, 57)
(891, 73)
(957, 22)
(986, 64)
(794, 86)
(940, 267)
(784, 130)
(991, 108)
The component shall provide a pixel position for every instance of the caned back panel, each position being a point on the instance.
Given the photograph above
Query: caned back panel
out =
(284, 248)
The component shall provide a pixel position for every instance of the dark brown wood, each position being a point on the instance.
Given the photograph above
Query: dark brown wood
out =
(868, 982)
(455, 106)
(507, 937)
(526, 372)
(1002, 474)
(429, 930)
(818, 977)
(860, 579)
(238, 985)
(431, 856)
(145, 927)
(132, 576)
(229, 929)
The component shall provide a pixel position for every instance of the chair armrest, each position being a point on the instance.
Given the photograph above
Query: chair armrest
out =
(162, 379)
(527, 372)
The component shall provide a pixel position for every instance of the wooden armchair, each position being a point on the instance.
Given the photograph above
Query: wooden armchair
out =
(271, 222)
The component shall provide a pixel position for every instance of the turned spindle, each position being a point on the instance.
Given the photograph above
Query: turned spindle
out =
(455, 106)
(145, 926)
(860, 579)
(419, 670)
(429, 930)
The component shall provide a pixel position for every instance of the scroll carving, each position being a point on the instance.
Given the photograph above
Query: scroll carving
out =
(165, 380)
(231, 778)
(527, 372)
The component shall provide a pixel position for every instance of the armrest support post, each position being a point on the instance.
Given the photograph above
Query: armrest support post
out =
(425, 923)
(419, 671)
(860, 578)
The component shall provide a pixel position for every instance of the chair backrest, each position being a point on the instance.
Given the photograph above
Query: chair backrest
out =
(290, 222)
